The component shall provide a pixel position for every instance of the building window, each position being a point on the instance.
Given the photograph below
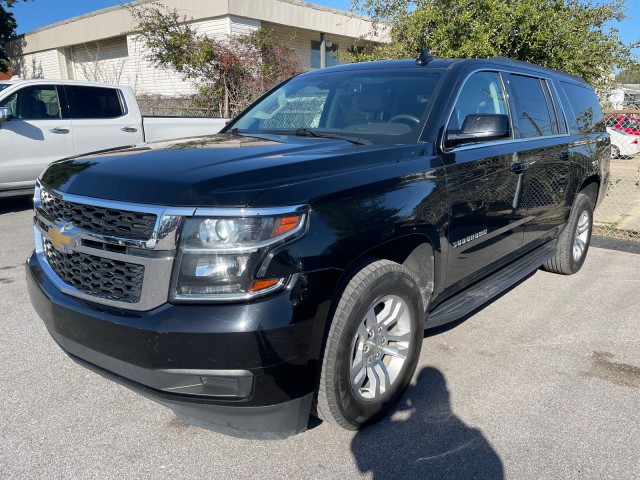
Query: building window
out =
(331, 56)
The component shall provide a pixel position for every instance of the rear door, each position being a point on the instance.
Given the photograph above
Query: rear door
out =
(101, 119)
(544, 160)
(39, 134)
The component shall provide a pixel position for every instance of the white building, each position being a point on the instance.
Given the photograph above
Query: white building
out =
(103, 46)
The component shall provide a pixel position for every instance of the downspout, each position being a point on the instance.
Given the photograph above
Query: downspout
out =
(323, 51)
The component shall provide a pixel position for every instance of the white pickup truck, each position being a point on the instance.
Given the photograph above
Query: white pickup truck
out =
(46, 120)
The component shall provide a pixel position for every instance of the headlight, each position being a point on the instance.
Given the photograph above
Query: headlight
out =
(219, 255)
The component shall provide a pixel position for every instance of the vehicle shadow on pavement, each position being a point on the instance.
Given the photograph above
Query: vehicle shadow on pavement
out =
(424, 439)
(16, 204)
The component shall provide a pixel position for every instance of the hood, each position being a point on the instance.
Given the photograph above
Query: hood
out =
(216, 170)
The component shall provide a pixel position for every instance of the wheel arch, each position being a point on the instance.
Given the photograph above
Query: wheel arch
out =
(591, 188)
(414, 251)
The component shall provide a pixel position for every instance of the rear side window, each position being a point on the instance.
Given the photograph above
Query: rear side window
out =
(94, 102)
(586, 108)
(534, 111)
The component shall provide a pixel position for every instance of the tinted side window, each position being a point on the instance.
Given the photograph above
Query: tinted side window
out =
(585, 106)
(94, 102)
(482, 93)
(534, 119)
(37, 102)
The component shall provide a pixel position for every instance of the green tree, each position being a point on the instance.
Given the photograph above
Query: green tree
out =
(7, 30)
(629, 75)
(569, 35)
(228, 72)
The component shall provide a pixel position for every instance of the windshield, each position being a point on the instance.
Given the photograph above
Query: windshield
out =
(379, 106)
(4, 85)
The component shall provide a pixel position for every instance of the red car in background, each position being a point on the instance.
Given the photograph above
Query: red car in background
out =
(625, 123)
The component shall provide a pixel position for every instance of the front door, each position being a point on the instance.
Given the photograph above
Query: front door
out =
(483, 189)
(36, 136)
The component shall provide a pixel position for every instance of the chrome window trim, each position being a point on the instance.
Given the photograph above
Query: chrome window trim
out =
(499, 71)
(505, 142)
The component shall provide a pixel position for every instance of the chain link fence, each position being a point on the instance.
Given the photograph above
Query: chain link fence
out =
(619, 214)
(160, 106)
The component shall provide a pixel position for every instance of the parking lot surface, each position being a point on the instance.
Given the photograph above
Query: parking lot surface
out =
(544, 382)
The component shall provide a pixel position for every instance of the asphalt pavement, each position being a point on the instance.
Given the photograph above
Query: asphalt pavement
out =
(542, 383)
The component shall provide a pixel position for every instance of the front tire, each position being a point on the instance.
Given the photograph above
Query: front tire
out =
(574, 241)
(372, 346)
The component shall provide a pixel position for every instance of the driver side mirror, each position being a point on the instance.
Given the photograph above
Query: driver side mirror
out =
(480, 128)
(6, 114)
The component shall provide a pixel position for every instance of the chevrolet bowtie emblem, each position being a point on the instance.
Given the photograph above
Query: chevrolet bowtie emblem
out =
(60, 239)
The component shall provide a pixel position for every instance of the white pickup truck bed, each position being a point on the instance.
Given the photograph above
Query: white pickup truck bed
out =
(165, 128)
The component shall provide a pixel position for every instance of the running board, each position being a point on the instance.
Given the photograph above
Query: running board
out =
(475, 296)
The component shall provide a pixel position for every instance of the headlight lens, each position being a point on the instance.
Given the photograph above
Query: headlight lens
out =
(219, 256)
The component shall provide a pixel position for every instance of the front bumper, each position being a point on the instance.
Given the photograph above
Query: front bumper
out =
(245, 369)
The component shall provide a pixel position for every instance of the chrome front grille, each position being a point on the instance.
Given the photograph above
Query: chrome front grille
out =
(97, 276)
(113, 253)
(100, 220)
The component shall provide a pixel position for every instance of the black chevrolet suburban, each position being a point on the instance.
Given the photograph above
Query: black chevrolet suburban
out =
(290, 264)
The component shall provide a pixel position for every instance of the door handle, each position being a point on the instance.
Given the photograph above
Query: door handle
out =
(519, 167)
(129, 129)
(59, 130)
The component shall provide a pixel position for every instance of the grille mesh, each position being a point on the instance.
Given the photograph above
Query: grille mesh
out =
(100, 220)
(97, 276)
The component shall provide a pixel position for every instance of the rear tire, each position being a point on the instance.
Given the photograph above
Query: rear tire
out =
(574, 241)
(372, 346)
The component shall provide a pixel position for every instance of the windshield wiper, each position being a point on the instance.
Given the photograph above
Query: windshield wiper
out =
(306, 132)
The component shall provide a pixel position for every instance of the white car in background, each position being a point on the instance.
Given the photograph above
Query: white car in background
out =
(623, 144)
(46, 120)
